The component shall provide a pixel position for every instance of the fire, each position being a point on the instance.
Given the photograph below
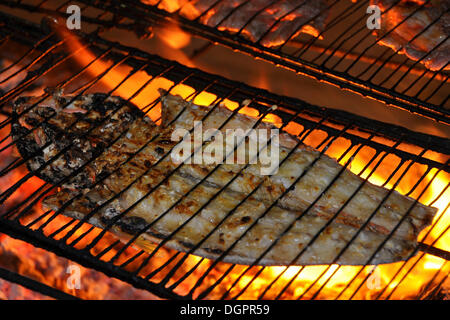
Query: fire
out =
(174, 37)
(285, 282)
(52, 270)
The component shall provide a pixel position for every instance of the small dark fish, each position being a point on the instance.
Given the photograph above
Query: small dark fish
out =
(72, 130)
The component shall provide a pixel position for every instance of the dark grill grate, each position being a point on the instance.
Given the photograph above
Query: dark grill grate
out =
(345, 53)
(46, 62)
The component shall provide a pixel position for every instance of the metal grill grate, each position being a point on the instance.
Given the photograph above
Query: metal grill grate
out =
(345, 53)
(46, 62)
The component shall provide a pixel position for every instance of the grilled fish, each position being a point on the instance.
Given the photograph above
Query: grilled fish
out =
(70, 131)
(272, 22)
(417, 28)
(135, 188)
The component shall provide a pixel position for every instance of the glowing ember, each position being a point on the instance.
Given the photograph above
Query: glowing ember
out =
(271, 22)
(56, 272)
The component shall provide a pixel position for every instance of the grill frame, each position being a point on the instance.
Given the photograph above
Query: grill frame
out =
(142, 17)
(213, 84)
(277, 57)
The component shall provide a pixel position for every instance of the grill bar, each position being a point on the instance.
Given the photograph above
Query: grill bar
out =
(424, 249)
(440, 283)
(393, 230)
(16, 230)
(404, 277)
(404, 264)
(361, 185)
(144, 16)
(179, 263)
(362, 133)
(329, 222)
(275, 202)
(327, 70)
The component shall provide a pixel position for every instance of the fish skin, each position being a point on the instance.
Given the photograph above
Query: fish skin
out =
(140, 131)
(403, 38)
(85, 127)
(277, 23)
(246, 250)
(310, 186)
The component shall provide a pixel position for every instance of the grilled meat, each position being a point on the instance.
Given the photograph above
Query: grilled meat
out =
(273, 21)
(309, 187)
(425, 34)
(147, 193)
(172, 208)
(68, 132)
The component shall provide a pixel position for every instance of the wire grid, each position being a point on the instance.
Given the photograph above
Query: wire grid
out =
(181, 275)
(345, 53)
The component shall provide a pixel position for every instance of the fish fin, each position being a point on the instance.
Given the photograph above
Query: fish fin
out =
(171, 107)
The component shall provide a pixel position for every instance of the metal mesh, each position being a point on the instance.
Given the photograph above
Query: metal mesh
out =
(412, 163)
(345, 53)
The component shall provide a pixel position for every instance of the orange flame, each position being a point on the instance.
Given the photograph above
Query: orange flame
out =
(174, 37)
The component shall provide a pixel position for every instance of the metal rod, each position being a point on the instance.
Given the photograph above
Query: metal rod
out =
(35, 285)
